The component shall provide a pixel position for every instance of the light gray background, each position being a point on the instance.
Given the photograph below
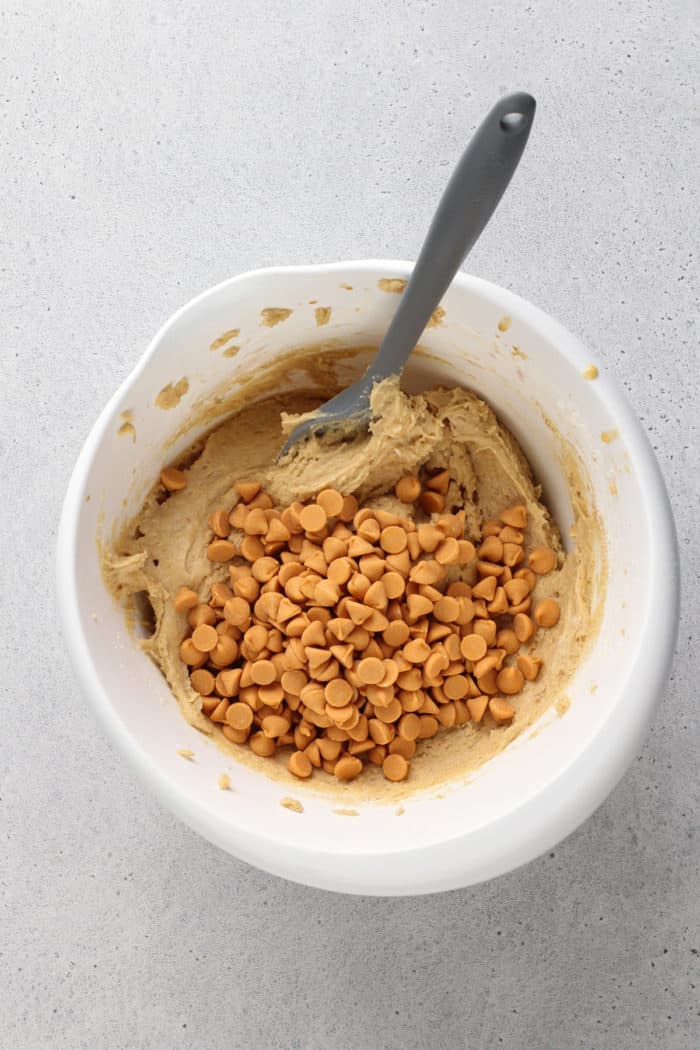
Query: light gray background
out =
(151, 150)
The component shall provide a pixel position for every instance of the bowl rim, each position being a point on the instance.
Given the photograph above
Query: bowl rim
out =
(532, 826)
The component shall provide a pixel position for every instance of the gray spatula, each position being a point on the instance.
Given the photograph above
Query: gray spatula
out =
(472, 195)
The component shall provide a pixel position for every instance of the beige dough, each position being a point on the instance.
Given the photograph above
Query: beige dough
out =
(165, 546)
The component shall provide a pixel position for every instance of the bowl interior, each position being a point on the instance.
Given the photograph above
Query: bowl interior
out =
(530, 370)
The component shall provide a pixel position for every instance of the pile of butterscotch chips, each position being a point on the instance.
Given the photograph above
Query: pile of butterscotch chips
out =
(346, 634)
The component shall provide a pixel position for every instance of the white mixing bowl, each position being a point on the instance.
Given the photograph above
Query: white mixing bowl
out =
(551, 777)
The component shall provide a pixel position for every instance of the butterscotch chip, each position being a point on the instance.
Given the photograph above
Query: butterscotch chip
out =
(185, 599)
(261, 745)
(264, 569)
(204, 638)
(333, 548)
(329, 749)
(218, 715)
(313, 754)
(247, 490)
(237, 611)
(239, 716)
(274, 726)
(399, 562)
(456, 687)
(477, 707)
(395, 767)
(401, 746)
(474, 646)
(313, 517)
(523, 627)
(437, 662)
(462, 715)
(173, 479)
(418, 605)
(409, 727)
(430, 572)
(513, 554)
(510, 535)
(251, 548)
(371, 670)
(508, 640)
(293, 681)
(529, 666)
(377, 755)
(348, 767)
(349, 509)
(331, 502)
(429, 726)
(516, 591)
(542, 560)
(491, 549)
(255, 523)
(528, 575)
(263, 672)
(432, 502)
(227, 682)
(386, 712)
(218, 522)
(359, 747)
(416, 651)
(267, 606)
(375, 596)
(466, 552)
(358, 613)
(202, 682)
(220, 550)
(246, 587)
(338, 693)
(547, 612)
(489, 568)
(236, 736)
(411, 678)
(396, 634)
(225, 651)
(391, 673)
(510, 680)
(256, 638)
(300, 765)
(393, 539)
(238, 515)
(220, 594)
(394, 584)
(429, 538)
(439, 482)
(408, 489)
(369, 530)
(515, 516)
(413, 546)
(501, 710)
(485, 588)
(372, 566)
(487, 682)
(277, 532)
(499, 603)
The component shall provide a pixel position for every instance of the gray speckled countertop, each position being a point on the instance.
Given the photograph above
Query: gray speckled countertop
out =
(151, 150)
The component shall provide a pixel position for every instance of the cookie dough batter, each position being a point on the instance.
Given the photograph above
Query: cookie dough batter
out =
(166, 545)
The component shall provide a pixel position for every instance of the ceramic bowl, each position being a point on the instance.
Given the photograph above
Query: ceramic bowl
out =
(531, 370)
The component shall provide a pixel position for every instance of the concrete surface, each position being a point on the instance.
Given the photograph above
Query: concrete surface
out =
(151, 150)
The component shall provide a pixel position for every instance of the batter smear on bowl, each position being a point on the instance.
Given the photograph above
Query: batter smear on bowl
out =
(344, 610)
